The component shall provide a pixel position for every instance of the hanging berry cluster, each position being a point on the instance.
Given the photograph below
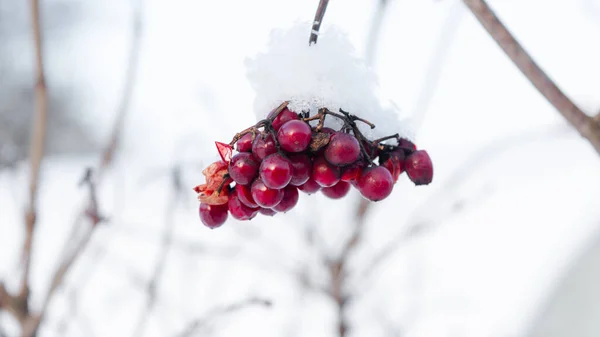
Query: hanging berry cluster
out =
(283, 154)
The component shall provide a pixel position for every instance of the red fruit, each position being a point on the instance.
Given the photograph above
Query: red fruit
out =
(290, 199)
(276, 171)
(263, 145)
(284, 116)
(419, 168)
(310, 187)
(213, 216)
(337, 191)
(394, 162)
(324, 173)
(245, 195)
(238, 210)
(244, 144)
(266, 211)
(407, 144)
(302, 167)
(225, 151)
(264, 196)
(352, 172)
(294, 136)
(375, 183)
(243, 168)
(343, 149)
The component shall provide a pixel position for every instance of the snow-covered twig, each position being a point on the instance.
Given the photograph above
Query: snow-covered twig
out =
(585, 125)
(213, 314)
(316, 26)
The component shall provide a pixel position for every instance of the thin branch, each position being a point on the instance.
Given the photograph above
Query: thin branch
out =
(375, 32)
(584, 124)
(213, 314)
(320, 13)
(36, 151)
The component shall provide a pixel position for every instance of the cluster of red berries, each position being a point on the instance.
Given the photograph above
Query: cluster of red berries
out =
(283, 154)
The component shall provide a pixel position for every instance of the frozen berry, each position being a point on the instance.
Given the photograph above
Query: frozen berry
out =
(419, 168)
(276, 171)
(352, 172)
(284, 116)
(238, 210)
(244, 144)
(294, 136)
(267, 211)
(337, 191)
(394, 162)
(290, 199)
(264, 196)
(375, 183)
(245, 195)
(343, 149)
(302, 167)
(263, 145)
(310, 187)
(213, 216)
(324, 173)
(406, 144)
(243, 168)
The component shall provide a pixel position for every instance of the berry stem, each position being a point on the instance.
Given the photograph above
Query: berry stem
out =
(379, 140)
(220, 188)
(314, 33)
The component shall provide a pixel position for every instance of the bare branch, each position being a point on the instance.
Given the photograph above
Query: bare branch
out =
(584, 124)
(314, 33)
(215, 313)
(36, 151)
(375, 31)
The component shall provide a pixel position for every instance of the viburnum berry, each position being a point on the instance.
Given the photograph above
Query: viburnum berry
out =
(394, 162)
(244, 144)
(310, 187)
(352, 172)
(294, 136)
(419, 168)
(302, 167)
(264, 196)
(337, 191)
(238, 210)
(263, 146)
(244, 193)
(276, 171)
(284, 116)
(243, 168)
(213, 216)
(375, 183)
(267, 211)
(343, 149)
(290, 199)
(325, 173)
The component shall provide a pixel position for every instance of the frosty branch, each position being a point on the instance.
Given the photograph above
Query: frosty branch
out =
(316, 26)
(585, 125)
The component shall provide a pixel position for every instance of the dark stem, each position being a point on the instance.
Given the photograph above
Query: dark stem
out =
(220, 188)
(314, 33)
(379, 140)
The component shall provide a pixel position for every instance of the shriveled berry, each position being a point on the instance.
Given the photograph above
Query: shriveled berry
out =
(284, 116)
(243, 168)
(310, 187)
(267, 211)
(213, 216)
(419, 167)
(394, 162)
(276, 171)
(337, 191)
(263, 145)
(375, 183)
(245, 195)
(244, 144)
(352, 172)
(294, 136)
(290, 199)
(302, 167)
(238, 210)
(325, 173)
(404, 143)
(264, 196)
(343, 149)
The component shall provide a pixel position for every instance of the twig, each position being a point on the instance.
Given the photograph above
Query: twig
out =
(314, 33)
(36, 151)
(584, 124)
(213, 314)
(159, 266)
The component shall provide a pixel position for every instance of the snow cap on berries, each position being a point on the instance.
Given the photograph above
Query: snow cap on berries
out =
(327, 74)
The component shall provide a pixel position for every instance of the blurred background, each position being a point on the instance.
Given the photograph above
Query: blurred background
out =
(504, 242)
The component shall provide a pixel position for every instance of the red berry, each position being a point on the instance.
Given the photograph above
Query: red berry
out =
(404, 143)
(276, 171)
(244, 144)
(375, 183)
(294, 136)
(266, 211)
(290, 199)
(238, 210)
(352, 172)
(419, 168)
(245, 195)
(284, 116)
(264, 196)
(337, 191)
(263, 145)
(324, 173)
(343, 149)
(243, 168)
(309, 187)
(302, 167)
(213, 216)
(394, 162)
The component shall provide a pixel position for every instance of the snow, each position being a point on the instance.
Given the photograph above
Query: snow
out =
(326, 74)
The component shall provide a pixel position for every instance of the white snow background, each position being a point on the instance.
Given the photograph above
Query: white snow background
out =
(514, 198)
